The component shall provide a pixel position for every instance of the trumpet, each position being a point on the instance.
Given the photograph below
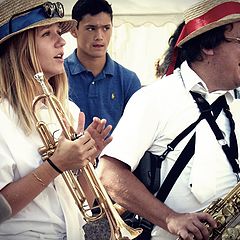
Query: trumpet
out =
(119, 229)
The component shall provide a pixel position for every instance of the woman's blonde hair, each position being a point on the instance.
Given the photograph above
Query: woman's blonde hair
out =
(18, 65)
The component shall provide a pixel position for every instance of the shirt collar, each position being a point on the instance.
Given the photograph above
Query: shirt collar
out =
(79, 68)
(194, 83)
(109, 66)
(73, 67)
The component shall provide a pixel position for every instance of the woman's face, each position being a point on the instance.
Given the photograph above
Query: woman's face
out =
(49, 48)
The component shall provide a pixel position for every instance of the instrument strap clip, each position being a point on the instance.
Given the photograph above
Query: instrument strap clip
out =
(165, 153)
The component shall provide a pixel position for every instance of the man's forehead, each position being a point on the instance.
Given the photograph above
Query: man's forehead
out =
(100, 18)
(98, 25)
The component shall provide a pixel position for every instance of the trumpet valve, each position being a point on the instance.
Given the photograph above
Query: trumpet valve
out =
(46, 152)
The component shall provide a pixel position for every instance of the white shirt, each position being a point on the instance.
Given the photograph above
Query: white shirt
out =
(153, 117)
(53, 214)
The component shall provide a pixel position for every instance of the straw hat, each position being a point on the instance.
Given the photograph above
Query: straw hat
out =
(15, 17)
(207, 15)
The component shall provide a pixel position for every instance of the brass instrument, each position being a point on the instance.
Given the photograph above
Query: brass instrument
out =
(226, 212)
(119, 229)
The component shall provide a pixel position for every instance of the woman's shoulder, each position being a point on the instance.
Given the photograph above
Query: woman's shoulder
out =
(6, 109)
(8, 116)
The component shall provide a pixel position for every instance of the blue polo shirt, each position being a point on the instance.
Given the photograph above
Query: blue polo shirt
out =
(103, 96)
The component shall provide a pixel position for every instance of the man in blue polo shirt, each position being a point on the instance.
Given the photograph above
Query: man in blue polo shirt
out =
(98, 85)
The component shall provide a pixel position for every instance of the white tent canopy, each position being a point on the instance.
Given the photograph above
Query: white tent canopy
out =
(141, 32)
(139, 12)
(157, 12)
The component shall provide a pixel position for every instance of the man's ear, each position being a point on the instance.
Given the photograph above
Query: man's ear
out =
(73, 31)
(208, 52)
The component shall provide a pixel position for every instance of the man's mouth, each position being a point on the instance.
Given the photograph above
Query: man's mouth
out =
(98, 45)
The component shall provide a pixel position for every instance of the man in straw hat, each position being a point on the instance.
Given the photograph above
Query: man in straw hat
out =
(172, 118)
(41, 204)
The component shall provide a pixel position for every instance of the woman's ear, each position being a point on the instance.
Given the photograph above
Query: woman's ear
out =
(73, 31)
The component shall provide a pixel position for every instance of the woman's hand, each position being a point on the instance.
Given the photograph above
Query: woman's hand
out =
(100, 133)
(71, 155)
(98, 130)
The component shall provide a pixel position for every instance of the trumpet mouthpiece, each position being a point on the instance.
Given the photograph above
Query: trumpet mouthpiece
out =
(39, 76)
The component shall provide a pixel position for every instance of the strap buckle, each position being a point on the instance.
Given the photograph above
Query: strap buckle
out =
(222, 142)
(165, 153)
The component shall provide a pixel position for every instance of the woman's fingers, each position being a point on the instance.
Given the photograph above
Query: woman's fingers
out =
(81, 123)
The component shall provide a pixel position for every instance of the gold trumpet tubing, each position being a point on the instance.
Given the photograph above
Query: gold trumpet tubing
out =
(104, 200)
(47, 138)
(59, 113)
(68, 130)
(60, 116)
(78, 195)
(50, 144)
(120, 230)
(74, 187)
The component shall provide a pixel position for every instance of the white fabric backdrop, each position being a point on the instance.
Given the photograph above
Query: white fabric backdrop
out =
(141, 32)
(136, 48)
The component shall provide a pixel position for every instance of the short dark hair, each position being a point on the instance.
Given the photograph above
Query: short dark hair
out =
(92, 7)
(190, 51)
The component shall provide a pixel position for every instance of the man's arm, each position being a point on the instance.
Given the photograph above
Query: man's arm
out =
(126, 190)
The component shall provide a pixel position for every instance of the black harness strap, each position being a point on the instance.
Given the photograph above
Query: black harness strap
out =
(177, 168)
(231, 151)
(187, 153)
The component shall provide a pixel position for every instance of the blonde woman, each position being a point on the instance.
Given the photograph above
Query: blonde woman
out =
(42, 206)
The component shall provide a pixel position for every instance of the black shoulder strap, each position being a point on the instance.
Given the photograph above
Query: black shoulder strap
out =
(189, 149)
(231, 151)
(180, 163)
(177, 168)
